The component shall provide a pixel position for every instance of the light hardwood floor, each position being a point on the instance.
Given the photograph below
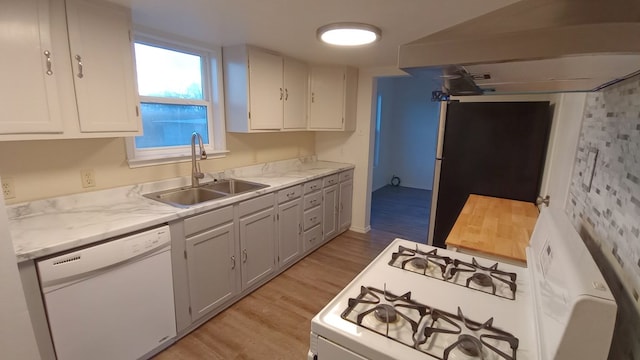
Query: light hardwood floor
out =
(273, 322)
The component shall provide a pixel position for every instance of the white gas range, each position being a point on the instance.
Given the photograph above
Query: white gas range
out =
(415, 301)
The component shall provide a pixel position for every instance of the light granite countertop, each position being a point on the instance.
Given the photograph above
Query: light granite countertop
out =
(44, 227)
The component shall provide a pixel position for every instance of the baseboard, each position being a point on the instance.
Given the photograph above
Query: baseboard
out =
(361, 230)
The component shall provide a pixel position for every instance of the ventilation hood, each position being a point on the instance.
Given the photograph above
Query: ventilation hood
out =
(533, 46)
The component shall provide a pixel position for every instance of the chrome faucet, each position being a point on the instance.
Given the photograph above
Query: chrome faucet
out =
(196, 174)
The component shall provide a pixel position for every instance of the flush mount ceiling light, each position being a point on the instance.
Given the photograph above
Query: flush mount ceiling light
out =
(348, 34)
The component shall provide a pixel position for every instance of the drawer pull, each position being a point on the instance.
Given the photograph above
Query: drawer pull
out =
(233, 262)
(244, 255)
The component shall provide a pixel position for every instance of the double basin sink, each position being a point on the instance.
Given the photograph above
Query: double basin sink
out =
(186, 196)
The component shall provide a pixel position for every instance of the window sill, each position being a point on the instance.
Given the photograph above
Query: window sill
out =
(172, 159)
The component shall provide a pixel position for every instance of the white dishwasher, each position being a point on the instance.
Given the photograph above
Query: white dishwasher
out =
(113, 300)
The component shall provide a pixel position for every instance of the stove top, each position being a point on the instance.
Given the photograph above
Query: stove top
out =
(435, 332)
(415, 301)
(485, 278)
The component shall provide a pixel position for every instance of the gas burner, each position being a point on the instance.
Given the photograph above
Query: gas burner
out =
(442, 335)
(386, 313)
(426, 263)
(469, 345)
(482, 278)
(419, 263)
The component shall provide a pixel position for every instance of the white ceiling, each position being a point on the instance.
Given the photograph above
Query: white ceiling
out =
(289, 26)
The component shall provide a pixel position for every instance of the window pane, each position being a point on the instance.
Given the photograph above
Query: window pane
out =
(171, 125)
(168, 73)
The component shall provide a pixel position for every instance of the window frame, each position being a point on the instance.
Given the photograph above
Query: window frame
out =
(213, 100)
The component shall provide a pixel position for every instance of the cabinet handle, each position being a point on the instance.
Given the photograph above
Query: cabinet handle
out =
(280, 93)
(244, 255)
(233, 262)
(47, 55)
(80, 73)
(313, 97)
(286, 94)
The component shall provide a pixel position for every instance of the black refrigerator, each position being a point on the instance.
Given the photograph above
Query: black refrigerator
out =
(487, 148)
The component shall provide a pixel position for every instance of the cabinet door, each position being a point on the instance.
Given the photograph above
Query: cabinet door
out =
(211, 264)
(326, 109)
(266, 93)
(346, 200)
(257, 244)
(289, 232)
(28, 93)
(296, 80)
(329, 211)
(103, 73)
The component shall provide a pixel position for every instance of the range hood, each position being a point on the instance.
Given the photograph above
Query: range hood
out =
(533, 46)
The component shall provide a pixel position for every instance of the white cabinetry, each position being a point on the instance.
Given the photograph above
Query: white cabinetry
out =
(312, 224)
(28, 93)
(330, 198)
(68, 71)
(263, 90)
(104, 78)
(346, 200)
(333, 97)
(257, 240)
(289, 225)
(211, 260)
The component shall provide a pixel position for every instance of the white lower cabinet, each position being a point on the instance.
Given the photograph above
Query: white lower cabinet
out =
(257, 240)
(330, 198)
(211, 261)
(346, 200)
(289, 226)
(230, 251)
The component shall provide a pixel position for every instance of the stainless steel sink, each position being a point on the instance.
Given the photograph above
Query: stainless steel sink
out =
(183, 197)
(233, 186)
(186, 196)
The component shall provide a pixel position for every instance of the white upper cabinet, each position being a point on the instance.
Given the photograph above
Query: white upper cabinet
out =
(104, 77)
(263, 90)
(266, 92)
(296, 88)
(333, 97)
(29, 66)
(67, 70)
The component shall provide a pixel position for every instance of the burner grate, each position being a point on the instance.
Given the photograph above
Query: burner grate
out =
(490, 280)
(434, 332)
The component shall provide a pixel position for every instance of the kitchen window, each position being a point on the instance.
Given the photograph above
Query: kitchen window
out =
(180, 89)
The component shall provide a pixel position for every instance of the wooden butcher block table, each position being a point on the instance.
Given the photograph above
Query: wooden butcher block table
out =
(494, 228)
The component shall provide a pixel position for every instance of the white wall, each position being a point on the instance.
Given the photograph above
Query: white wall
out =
(409, 127)
(356, 147)
(17, 340)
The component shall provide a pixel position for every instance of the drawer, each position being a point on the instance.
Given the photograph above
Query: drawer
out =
(291, 193)
(346, 175)
(312, 200)
(312, 186)
(257, 204)
(312, 217)
(312, 237)
(330, 180)
(198, 223)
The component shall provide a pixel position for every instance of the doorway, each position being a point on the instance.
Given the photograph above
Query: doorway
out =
(406, 126)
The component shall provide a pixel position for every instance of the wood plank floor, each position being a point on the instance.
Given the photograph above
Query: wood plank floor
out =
(402, 211)
(273, 322)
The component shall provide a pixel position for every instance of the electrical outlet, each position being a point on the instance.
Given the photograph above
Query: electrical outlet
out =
(88, 178)
(7, 188)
